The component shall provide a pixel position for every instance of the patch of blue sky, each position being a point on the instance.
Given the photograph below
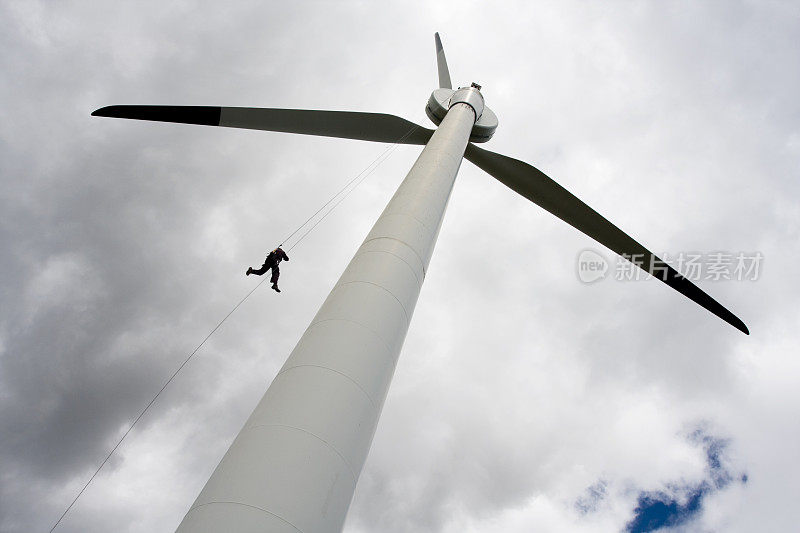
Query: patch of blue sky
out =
(656, 510)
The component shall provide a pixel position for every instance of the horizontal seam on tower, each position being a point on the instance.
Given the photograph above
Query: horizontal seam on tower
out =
(336, 371)
(403, 307)
(326, 443)
(403, 213)
(390, 253)
(388, 348)
(247, 505)
(421, 262)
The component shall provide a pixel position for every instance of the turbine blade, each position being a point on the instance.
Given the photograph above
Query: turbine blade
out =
(543, 191)
(441, 63)
(378, 127)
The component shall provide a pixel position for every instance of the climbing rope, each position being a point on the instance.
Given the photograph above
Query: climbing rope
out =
(369, 169)
(153, 401)
(358, 179)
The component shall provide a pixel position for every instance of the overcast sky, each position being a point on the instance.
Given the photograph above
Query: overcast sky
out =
(524, 399)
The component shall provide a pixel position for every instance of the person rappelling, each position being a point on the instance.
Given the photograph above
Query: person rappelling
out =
(271, 262)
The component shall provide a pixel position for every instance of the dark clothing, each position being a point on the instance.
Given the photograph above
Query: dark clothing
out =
(276, 272)
(277, 255)
(271, 262)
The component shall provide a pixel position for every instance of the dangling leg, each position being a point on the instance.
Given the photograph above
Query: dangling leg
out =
(258, 272)
(274, 279)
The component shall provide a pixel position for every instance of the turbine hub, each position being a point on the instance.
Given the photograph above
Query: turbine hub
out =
(470, 96)
(442, 100)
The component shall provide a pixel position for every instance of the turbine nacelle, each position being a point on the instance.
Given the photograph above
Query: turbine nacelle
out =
(443, 99)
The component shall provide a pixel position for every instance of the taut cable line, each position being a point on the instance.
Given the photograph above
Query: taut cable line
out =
(363, 175)
(358, 179)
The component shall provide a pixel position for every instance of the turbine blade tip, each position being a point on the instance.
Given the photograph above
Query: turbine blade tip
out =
(101, 112)
(736, 322)
(743, 328)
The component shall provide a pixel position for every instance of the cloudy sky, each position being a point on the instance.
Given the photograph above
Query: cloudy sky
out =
(524, 399)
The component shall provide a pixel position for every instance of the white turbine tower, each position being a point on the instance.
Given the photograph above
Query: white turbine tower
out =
(295, 464)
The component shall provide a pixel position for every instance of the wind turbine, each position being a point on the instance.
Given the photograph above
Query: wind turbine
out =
(295, 464)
